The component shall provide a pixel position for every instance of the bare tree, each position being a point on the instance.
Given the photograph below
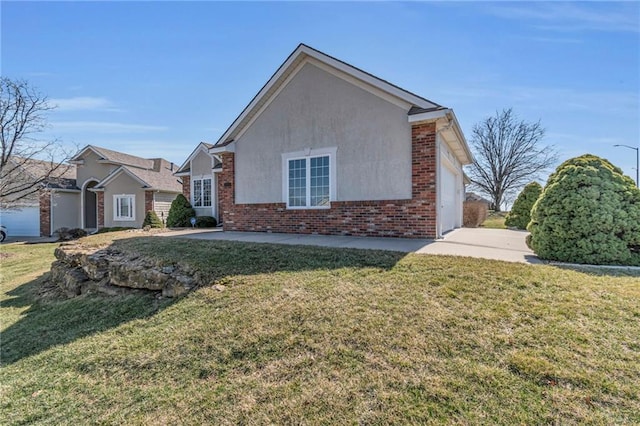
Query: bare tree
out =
(26, 162)
(508, 155)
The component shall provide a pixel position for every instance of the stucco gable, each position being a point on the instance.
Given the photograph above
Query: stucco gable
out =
(294, 63)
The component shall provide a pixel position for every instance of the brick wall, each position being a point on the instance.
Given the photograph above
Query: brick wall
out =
(45, 213)
(186, 187)
(148, 201)
(100, 196)
(414, 218)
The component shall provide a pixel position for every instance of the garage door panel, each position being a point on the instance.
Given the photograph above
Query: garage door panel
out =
(22, 223)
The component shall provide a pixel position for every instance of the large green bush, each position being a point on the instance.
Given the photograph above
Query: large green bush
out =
(520, 214)
(588, 212)
(152, 220)
(180, 213)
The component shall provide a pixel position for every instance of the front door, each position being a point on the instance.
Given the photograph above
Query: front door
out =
(90, 207)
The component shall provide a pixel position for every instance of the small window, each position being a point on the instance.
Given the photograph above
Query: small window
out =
(124, 207)
(309, 181)
(201, 196)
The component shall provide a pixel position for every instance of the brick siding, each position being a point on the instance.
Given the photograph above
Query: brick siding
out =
(186, 187)
(100, 196)
(414, 218)
(45, 213)
(148, 201)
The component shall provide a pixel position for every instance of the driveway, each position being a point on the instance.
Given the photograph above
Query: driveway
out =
(499, 244)
(29, 240)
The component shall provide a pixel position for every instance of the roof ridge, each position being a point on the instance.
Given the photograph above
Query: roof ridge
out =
(228, 135)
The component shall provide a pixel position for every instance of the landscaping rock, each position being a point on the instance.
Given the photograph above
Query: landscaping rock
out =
(81, 269)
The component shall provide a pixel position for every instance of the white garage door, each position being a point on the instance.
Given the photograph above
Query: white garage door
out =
(22, 223)
(448, 208)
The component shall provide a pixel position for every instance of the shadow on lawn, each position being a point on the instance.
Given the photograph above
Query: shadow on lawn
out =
(54, 320)
(51, 319)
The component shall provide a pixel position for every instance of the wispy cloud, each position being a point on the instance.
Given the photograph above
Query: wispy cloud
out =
(83, 103)
(105, 127)
(563, 16)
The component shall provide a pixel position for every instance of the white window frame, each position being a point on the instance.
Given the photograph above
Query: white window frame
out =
(116, 210)
(193, 199)
(308, 154)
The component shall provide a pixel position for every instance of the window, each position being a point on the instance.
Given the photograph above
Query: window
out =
(201, 192)
(124, 207)
(309, 181)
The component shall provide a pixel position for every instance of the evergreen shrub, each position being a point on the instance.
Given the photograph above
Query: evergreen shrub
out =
(152, 220)
(520, 214)
(588, 212)
(180, 213)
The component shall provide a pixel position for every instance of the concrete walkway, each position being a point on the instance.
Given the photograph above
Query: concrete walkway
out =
(499, 244)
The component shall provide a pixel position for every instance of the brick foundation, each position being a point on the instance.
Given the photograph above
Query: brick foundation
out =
(45, 213)
(148, 201)
(100, 196)
(414, 218)
(186, 187)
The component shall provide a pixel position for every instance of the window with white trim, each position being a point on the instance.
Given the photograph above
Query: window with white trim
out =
(201, 195)
(309, 182)
(124, 207)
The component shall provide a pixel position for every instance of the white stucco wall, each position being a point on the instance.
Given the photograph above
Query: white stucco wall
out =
(123, 184)
(319, 110)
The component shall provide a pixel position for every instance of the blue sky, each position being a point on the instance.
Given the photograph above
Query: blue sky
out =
(155, 78)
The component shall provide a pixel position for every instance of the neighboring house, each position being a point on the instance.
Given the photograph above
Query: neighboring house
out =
(102, 188)
(198, 182)
(327, 148)
(20, 212)
(472, 196)
(117, 189)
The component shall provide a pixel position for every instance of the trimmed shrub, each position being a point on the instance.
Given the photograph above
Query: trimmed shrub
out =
(180, 213)
(66, 234)
(520, 214)
(152, 220)
(474, 213)
(588, 212)
(206, 222)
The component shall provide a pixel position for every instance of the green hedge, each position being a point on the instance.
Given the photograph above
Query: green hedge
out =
(588, 212)
(520, 214)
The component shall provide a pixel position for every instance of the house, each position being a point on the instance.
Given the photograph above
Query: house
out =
(115, 189)
(472, 196)
(24, 182)
(327, 148)
(101, 188)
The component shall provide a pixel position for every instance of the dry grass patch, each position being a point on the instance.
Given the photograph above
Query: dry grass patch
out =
(325, 336)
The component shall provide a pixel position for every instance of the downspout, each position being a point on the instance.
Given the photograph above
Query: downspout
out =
(51, 213)
(438, 183)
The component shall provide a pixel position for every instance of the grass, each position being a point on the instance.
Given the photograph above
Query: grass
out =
(495, 220)
(322, 336)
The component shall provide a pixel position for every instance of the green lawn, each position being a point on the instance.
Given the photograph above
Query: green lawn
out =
(321, 336)
(495, 220)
